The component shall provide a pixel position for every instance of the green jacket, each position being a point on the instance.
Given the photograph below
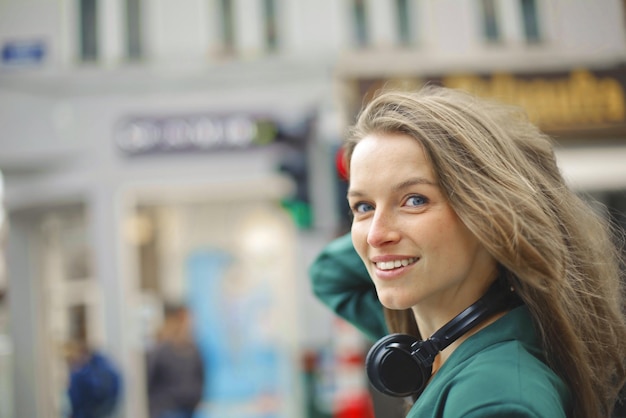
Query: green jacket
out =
(339, 279)
(497, 372)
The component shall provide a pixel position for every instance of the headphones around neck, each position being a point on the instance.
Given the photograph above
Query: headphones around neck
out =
(400, 365)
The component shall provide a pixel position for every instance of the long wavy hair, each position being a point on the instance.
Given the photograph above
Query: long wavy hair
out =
(500, 175)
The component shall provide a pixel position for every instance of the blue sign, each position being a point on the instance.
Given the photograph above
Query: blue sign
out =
(247, 369)
(23, 52)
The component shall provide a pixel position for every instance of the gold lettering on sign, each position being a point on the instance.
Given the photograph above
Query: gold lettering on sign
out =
(579, 99)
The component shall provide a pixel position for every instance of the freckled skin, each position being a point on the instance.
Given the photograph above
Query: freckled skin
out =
(400, 212)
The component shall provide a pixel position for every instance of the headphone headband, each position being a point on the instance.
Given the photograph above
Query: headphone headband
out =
(497, 298)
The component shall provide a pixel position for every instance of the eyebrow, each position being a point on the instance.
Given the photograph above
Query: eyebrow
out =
(398, 187)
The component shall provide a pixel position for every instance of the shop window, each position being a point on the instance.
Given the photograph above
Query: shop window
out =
(77, 318)
(66, 239)
(530, 18)
(134, 48)
(142, 231)
(360, 22)
(227, 29)
(271, 24)
(88, 24)
(491, 29)
(405, 31)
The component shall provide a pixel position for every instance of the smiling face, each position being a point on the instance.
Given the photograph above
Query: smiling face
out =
(417, 251)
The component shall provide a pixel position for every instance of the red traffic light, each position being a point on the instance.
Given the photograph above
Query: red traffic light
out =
(340, 165)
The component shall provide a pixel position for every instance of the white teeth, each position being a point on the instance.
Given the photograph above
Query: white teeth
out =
(386, 265)
(389, 265)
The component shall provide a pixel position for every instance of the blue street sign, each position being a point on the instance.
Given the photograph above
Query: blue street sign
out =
(23, 52)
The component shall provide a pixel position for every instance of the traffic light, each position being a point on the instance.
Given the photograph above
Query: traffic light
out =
(341, 190)
(294, 164)
(340, 165)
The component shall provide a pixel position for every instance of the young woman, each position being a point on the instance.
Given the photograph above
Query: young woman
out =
(451, 193)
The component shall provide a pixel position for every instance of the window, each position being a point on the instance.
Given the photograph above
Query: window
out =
(271, 24)
(88, 24)
(405, 33)
(491, 30)
(227, 25)
(360, 22)
(530, 20)
(134, 50)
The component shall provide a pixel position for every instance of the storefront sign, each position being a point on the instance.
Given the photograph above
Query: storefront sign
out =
(578, 103)
(143, 135)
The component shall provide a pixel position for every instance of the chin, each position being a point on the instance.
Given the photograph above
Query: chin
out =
(393, 301)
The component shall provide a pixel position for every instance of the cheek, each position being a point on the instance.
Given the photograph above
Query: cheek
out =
(359, 238)
(462, 246)
(439, 233)
(450, 238)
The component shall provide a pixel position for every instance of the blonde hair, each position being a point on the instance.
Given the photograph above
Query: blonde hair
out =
(500, 175)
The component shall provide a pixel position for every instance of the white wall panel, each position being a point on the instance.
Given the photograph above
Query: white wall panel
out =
(177, 30)
(249, 27)
(382, 22)
(111, 31)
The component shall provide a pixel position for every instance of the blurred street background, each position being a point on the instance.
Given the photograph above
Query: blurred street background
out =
(157, 152)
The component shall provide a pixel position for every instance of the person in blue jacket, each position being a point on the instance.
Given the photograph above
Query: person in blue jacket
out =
(453, 196)
(95, 383)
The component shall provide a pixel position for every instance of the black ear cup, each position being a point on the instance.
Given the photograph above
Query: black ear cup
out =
(393, 369)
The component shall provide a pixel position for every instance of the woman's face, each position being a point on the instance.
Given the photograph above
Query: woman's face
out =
(417, 251)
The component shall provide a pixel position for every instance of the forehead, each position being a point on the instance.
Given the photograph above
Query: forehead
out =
(388, 153)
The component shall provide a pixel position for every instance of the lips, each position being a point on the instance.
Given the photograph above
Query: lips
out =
(394, 264)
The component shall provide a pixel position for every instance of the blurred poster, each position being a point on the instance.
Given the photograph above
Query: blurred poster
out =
(247, 370)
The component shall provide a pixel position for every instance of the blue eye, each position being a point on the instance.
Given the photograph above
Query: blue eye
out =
(362, 207)
(416, 200)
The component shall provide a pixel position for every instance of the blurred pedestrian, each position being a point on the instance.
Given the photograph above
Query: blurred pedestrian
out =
(175, 370)
(94, 382)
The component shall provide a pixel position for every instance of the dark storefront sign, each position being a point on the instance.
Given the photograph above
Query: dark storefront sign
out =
(143, 135)
(149, 135)
(580, 103)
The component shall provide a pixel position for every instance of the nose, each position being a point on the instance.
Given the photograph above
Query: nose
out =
(383, 230)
